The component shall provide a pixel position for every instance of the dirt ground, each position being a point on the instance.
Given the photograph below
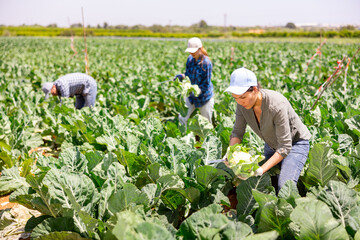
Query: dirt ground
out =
(13, 218)
(4, 203)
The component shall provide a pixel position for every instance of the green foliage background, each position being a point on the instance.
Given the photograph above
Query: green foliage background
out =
(127, 166)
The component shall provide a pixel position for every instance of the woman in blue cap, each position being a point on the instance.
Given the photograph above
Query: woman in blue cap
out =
(80, 85)
(198, 70)
(272, 118)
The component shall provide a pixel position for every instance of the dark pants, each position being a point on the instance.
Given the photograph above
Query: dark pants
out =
(87, 100)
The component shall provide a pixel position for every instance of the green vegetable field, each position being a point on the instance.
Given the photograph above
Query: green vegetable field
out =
(127, 169)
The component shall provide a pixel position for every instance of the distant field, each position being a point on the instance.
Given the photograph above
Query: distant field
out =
(185, 33)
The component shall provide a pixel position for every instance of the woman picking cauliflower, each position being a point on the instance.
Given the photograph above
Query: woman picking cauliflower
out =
(198, 69)
(273, 119)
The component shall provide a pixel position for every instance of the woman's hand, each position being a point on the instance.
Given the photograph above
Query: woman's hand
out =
(234, 141)
(259, 172)
(180, 77)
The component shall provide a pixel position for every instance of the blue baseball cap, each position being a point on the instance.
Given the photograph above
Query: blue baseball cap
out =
(241, 80)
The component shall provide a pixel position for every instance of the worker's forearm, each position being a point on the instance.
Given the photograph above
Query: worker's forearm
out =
(271, 162)
(234, 141)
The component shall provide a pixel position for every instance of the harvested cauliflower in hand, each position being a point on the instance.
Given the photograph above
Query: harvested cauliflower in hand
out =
(188, 88)
(242, 162)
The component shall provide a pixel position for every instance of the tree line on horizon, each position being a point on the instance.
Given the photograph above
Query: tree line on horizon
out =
(201, 28)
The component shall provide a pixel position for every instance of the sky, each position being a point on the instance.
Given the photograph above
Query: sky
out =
(181, 12)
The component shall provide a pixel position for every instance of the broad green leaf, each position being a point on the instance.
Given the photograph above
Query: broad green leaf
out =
(194, 161)
(263, 198)
(213, 149)
(46, 162)
(150, 152)
(156, 170)
(320, 170)
(122, 225)
(62, 236)
(340, 199)
(272, 235)
(289, 192)
(193, 194)
(357, 235)
(356, 152)
(42, 201)
(246, 201)
(107, 190)
(275, 215)
(170, 181)
(80, 185)
(209, 223)
(129, 225)
(189, 139)
(31, 140)
(354, 124)
(235, 230)
(80, 126)
(72, 160)
(177, 155)
(101, 172)
(93, 158)
(206, 175)
(151, 128)
(6, 160)
(219, 197)
(109, 141)
(200, 126)
(10, 180)
(191, 227)
(26, 166)
(345, 142)
(132, 141)
(35, 221)
(83, 221)
(173, 198)
(152, 231)
(354, 219)
(5, 155)
(316, 221)
(172, 130)
(122, 199)
(49, 225)
(152, 191)
(134, 162)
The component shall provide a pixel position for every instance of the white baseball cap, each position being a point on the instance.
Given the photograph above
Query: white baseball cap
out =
(193, 45)
(241, 80)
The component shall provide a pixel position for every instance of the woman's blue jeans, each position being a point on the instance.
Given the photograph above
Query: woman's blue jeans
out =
(291, 166)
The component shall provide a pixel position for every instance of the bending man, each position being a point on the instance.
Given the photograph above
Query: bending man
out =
(80, 85)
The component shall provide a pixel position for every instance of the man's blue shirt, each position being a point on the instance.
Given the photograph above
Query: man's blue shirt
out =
(200, 74)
